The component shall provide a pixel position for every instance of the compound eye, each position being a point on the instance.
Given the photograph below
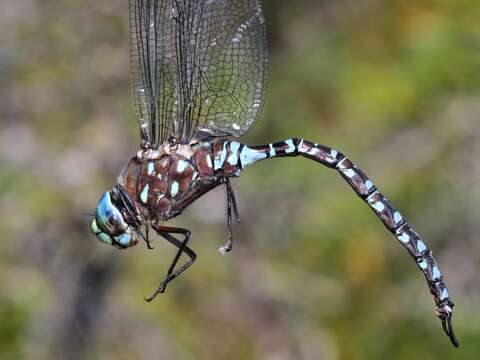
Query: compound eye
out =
(108, 217)
(99, 234)
(124, 239)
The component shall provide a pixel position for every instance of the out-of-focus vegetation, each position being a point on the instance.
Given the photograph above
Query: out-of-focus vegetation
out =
(314, 275)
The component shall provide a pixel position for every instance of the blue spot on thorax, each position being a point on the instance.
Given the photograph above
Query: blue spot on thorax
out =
(144, 194)
(150, 168)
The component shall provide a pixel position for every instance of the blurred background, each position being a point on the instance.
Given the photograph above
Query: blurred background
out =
(314, 274)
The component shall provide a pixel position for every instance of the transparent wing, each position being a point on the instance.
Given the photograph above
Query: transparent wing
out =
(197, 65)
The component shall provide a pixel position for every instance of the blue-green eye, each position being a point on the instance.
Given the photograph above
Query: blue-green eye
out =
(109, 225)
(105, 238)
(124, 239)
(99, 234)
(108, 217)
(94, 228)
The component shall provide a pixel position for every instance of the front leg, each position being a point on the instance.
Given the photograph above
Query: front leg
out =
(146, 238)
(166, 233)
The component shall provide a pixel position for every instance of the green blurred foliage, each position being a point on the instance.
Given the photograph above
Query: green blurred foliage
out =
(314, 274)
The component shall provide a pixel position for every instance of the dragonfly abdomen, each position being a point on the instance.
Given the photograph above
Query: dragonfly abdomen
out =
(234, 157)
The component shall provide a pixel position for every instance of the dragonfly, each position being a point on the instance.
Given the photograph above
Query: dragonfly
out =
(198, 74)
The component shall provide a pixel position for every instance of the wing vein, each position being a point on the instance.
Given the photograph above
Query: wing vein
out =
(197, 66)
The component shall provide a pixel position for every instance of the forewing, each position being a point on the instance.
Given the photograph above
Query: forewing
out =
(153, 84)
(197, 65)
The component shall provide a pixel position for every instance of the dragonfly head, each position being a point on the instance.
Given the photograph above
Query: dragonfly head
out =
(114, 223)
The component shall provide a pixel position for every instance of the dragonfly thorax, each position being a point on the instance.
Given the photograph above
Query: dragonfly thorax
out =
(163, 180)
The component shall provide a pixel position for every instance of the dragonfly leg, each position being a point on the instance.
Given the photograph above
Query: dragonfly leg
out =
(368, 192)
(166, 233)
(231, 205)
(146, 237)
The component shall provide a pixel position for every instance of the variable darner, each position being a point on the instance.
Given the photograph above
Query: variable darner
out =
(198, 76)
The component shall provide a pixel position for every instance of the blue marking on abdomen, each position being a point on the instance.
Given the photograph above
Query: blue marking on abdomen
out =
(421, 247)
(248, 156)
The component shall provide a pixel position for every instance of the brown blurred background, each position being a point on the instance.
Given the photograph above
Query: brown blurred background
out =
(314, 275)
